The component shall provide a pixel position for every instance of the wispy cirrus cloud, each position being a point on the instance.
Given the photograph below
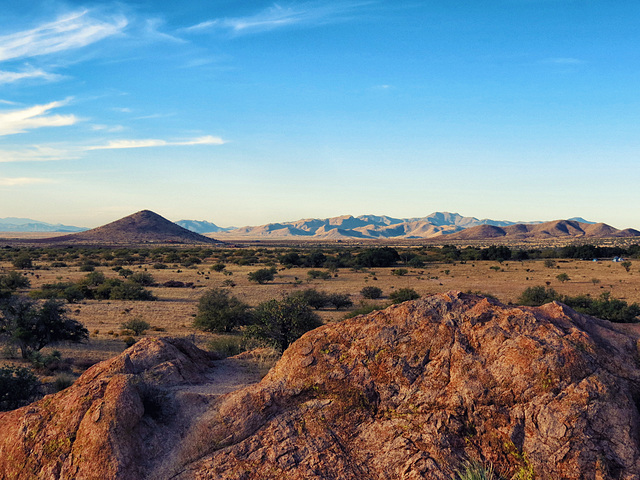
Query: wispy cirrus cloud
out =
(22, 120)
(72, 31)
(47, 153)
(21, 181)
(12, 77)
(39, 153)
(278, 16)
(152, 142)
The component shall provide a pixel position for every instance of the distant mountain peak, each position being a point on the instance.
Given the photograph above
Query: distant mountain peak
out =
(143, 227)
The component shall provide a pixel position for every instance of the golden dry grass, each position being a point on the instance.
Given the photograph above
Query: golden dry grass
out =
(175, 308)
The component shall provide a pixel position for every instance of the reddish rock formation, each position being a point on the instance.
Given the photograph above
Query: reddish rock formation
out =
(405, 393)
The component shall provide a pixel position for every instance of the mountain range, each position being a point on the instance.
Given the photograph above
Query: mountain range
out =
(381, 226)
(148, 227)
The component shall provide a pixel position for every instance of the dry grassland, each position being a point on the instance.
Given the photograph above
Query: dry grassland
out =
(172, 314)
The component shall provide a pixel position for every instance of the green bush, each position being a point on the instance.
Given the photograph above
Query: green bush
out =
(365, 309)
(312, 297)
(403, 295)
(263, 275)
(226, 345)
(371, 292)
(137, 325)
(218, 311)
(536, 296)
(281, 322)
(18, 387)
(340, 300)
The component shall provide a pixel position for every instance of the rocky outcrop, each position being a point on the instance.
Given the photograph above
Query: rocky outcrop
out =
(116, 422)
(406, 393)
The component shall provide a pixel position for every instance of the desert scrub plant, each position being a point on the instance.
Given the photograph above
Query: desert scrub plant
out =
(18, 386)
(262, 275)
(403, 295)
(475, 471)
(371, 292)
(364, 309)
(563, 277)
(218, 311)
(137, 325)
(226, 345)
(281, 322)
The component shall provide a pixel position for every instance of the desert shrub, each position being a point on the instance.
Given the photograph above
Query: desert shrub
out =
(218, 311)
(281, 322)
(58, 264)
(137, 325)
(130, 291)
(314, 274)
(22, 261)
(563, 277)
(61, 382)
(226, 345)
(13, 281)
(416, 262)
(377, 257)
(536, 296)
(125, 272)
(340, 300)
(93, 279)
(142, 278)
(86, 267)
(312, 297)
(400, 272)
(129, 341)
(371, 292)
(263, 275)
(605, 307)
(48, 363)
(160, 266)
(364, 309)
(291, 259)
(403, 295)
(475, 471)
(18, 386)
(218, 267)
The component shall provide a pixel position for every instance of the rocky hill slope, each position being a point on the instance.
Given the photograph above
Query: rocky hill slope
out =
(144, 227)
(405, 393)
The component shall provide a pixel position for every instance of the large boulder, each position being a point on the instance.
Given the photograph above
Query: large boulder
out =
(410, 392)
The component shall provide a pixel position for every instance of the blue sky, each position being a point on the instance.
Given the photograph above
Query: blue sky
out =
(244, 113)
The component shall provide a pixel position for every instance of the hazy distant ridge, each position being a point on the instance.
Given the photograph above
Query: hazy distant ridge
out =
(13, 224)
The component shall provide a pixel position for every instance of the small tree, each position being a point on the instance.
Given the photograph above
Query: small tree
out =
(282, 322)
(563, 277)
(32, 327)
(263, 275)
(340, 300)
(312, 297)
(137, 325)
(218, 311)
(536, 296)
(22, 261)
(403, 295)
(627, 265)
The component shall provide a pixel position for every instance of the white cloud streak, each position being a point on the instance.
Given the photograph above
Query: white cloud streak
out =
(12, 77)
(73, 31)
(146, 143)
(278, 16)
(19, 121)
(21, 181)
(38, 153)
